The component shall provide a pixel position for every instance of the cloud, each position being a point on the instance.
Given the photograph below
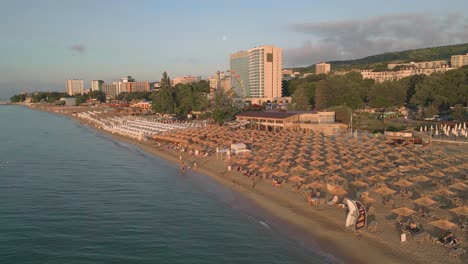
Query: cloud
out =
(353, 39)
(78, 48)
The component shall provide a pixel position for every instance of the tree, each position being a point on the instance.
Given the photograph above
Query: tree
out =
(459, 113)
(17, 98)
(98, 95)
(223, 108)
(302, 99)
(164, 100)
(322, 95)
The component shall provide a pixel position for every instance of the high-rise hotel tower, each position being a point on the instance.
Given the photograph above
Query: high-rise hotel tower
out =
(260, 76)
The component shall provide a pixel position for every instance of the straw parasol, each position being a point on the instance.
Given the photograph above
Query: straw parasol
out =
(359, 183)
(451, 170)
(421, 178)
(403, 211)
(299, 169)
(315, 173)
(334, 167)
(336, 178)
(393, 173)
(443, 224)
(296, 179)
(385, 191)
(367, 199)
(436, 174)
(377, 177)
(317, 163)
(280, 174)
(265, 170)
(459, 186)
(314, 185)
(354, 171)
(404, 183)
(444, 192)
(338, 191)
(424, 201)
(461, 210)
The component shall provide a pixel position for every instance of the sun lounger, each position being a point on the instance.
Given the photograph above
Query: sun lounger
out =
(421, 237)
(394, 221)
(316, 200)
(457, 252)
(334, 201)
(372, 226)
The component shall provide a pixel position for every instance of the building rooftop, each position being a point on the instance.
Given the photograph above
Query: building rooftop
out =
(263, 114)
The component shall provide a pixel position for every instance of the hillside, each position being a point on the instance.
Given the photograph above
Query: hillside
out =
(380, 61)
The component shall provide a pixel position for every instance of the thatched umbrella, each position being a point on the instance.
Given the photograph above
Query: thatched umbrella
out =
(296, 179)
(459, 186)
(280, 174)
(354, 171)
(367, 199)
(443, 224)
(421, 178)
(265, 170)
(336, 178)
(444, 192)
(316, 173)
(393, 173)
(451, 170)
(425, 202)
(359, 183)
(338, 191)
(299, 169)
(461, 210)
(334, 167)
(436, 174)
(314, 185)
(404, 183)
(403, 211)
(385, 191)
(316, 163)
(377, 177)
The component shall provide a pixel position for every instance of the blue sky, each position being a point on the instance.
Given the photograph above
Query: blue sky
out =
(46, 42)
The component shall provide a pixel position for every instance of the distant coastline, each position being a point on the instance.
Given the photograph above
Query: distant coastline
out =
(314, 224)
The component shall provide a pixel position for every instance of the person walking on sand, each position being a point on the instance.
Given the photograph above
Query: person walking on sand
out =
(253, 182)
(309, 198)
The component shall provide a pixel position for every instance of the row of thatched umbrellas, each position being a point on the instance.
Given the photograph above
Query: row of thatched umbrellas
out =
(317, 162)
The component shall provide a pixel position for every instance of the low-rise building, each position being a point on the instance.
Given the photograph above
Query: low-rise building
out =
(185, 80)
(322, 68)
(307, 121)
(458, 61)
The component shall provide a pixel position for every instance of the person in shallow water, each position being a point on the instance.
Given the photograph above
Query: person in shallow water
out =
(182, 168)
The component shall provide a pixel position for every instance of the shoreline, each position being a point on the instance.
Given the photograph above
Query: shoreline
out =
(313, 225)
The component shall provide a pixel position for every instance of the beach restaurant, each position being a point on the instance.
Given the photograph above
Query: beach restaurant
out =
(307, 121)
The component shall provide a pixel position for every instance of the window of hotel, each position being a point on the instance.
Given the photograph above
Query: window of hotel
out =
(269, 57)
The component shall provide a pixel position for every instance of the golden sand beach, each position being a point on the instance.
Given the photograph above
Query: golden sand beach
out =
(361, 167)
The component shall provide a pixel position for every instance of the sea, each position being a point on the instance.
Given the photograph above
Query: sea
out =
(69, 194)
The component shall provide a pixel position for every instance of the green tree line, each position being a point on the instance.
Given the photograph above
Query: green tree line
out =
(439, 91)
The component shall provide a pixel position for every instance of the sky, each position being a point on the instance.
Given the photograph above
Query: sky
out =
(44, 43)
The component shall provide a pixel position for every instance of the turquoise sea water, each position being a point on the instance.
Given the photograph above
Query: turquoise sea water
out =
(71, 195)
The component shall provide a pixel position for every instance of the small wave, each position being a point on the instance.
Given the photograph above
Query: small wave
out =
(264, 224)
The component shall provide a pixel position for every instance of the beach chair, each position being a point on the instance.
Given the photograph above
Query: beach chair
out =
(394, 221)
(372, 226)
(371, 211)
(316, 199)
(333, 201)
(457, 252)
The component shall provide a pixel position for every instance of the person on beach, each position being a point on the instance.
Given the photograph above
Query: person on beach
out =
(309, 198)
(182, 168)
